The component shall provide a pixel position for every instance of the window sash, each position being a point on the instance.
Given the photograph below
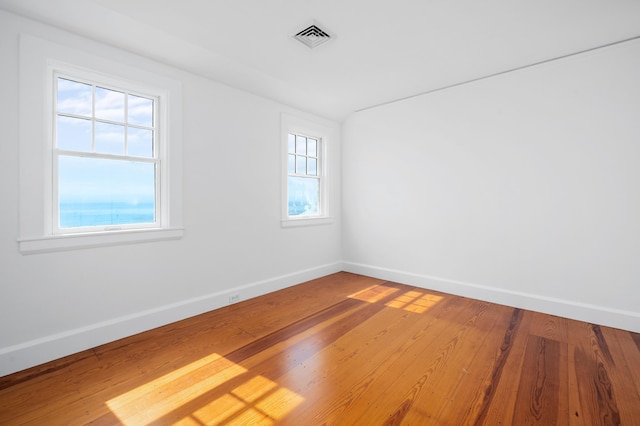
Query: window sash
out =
(57, 225)
(92, 117)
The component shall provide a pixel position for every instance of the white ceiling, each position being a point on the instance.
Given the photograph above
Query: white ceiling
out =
(383, 50)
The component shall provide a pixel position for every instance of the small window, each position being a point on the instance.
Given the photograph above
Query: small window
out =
(105, 157)
(303, 178)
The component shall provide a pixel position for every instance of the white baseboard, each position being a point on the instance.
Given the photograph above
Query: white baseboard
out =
(625, 320)
(35, 352)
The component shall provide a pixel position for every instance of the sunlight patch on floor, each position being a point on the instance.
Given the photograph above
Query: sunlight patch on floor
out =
(412, 301)
(374, 293)
(255, 399)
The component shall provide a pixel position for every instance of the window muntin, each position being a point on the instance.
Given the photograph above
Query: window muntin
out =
(105, 157)
(304, 196)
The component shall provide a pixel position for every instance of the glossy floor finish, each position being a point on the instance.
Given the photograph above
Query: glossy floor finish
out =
(346, 350)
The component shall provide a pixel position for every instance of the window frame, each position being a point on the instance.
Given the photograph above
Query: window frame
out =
(157, 159)
(323, 134)
(318, 176)
(40, 60)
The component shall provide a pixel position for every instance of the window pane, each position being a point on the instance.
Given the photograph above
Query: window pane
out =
(109, 138)
(301, 145)
(73, 134)
(74, 97)
(312, 147)
(292, 164)
(139, 142)
(303, 196)
(292, 143)
(95, 192)
(301, 165)
(312, 167)
(109, 105)
(140, 111)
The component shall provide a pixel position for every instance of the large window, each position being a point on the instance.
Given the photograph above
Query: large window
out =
(105, 157)
(100, 149)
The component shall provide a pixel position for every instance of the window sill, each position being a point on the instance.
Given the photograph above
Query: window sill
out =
(305, 221)
(99, 239)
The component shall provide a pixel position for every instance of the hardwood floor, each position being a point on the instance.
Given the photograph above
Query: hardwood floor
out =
(345, 350)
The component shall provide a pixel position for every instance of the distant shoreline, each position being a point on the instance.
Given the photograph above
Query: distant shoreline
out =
(73, 215)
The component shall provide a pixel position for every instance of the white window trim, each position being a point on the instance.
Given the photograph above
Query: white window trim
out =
(38, 60)
(326, 133)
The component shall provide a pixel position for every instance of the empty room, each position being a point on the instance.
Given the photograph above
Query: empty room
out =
(303, 213)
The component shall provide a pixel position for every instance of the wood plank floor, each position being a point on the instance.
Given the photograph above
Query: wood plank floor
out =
(345, 350)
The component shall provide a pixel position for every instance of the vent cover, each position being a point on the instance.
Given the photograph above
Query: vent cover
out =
(312, 36)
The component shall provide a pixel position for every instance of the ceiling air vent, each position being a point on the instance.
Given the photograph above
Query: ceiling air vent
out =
(312, 36)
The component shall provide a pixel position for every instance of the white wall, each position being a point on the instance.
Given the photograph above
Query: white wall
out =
(522, 189)
(58, 303)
